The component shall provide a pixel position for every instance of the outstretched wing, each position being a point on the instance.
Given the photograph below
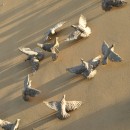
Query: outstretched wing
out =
(73, 105)
(82, 21)
(5, 124)
(27, 82)
(105, 47)
(35, 64)
(76, 69)
(54, 54)
(27, 51)
(114, 57)
(55, 105)
(37, 49)
(74, 36)
(58, 25)
(33, 92)
(47, 36)
(56, 43)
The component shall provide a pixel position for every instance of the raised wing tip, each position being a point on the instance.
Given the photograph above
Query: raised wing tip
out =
(104, 41)
(98, 57)
(20, 48)
(28, 75)
(82, 59)
(18, 119)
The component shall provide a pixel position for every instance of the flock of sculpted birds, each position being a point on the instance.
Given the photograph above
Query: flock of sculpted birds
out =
(86, 68)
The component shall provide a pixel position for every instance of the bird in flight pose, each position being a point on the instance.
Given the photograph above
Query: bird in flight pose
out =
(62, 107)
(81, 30)
(51, 47)
(53, 30)
(87, 69)
(108, 53)
(28, 91)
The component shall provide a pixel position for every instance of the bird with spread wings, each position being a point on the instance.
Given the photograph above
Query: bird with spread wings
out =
(62, 107)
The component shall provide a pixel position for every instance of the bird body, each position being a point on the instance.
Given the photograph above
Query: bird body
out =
(28, 91)
(53, 30)
(63, 107)
(51, 47)
(34, 56)
(81, 30)
(108, 53)
(87, 69)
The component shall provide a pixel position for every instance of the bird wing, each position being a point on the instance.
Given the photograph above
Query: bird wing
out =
(33, 92)
(105, 47)
(27, 51)
(15, 125)
(82, 21)
(95, 61)
(73, 36)
(86, 65)
(35, 64)
(114, 57)
(58, 25)
(27, 82)
(37, 49)
(47, 36)
(53, 105)
(54, 54)
(72, 105)
(5, 124)
(86, 73)
(56, 43)
(76, 69)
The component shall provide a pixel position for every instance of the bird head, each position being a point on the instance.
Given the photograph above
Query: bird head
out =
(64, 96)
